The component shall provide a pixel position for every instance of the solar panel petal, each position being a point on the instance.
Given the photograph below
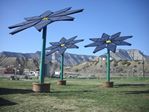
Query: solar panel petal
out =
(77, 41)
(105, 37)
(39, 26)
(111, 47)
(32, 18)
(72, 46)
(63, 40)
(55, 43)
(98, 48)
(45, 18)
(46, 14)
(60, 11)
(62, 18)
(62, 50)
(116, 35)
(64, 44)
(110, 42)
(122, 38)
(122, 43)
(23, 27)
(20, 24)
(70, 12)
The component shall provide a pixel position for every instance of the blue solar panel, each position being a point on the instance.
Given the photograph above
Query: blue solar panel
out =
(63, 45)
(39, 22)
(109, 42)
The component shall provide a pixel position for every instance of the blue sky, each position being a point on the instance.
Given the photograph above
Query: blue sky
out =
(131, 17)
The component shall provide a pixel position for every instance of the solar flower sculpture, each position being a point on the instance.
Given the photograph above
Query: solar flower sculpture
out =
(40, 23)
(109, 42)
(61, 47)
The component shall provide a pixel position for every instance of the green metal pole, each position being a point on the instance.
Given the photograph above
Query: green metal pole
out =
(42, 58)
(108, 65)
(62, 67)
(99, 60)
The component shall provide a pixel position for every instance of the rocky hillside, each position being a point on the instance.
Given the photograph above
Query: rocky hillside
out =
(129, 55)
(32, 59)
(118, 68)
(70, 59)
(123, 61)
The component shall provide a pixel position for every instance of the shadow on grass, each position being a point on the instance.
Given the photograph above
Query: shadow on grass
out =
(4, 91)
(4, 102)
(123, 85)
(72, 93)
(137, 92)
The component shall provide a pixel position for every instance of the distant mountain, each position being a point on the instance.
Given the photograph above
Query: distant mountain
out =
(13, 58)
(32, 59)
(70, 59)
(130, 55)
(20, 55)
(124, 63)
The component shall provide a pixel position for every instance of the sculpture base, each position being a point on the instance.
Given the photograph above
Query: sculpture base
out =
(61, 82)
(37, 87)
(108, 84)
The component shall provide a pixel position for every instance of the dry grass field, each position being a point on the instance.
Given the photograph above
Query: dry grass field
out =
(79, 95)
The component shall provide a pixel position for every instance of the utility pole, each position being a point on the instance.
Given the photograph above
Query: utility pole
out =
(143, 67)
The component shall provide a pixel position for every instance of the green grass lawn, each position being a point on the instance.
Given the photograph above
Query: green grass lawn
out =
(79, 95)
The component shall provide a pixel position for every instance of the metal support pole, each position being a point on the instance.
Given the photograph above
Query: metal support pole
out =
(42, 58)
(108, 65)
(62, 66)
(100, 60)
(143, 67)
